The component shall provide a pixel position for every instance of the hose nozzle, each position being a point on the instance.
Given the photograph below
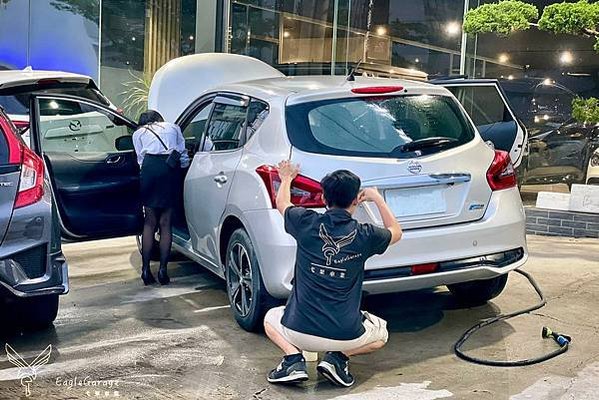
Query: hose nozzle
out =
(560, 338)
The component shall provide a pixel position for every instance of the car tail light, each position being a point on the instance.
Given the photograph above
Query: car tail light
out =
(501, 173)
(12, 141)
(31, 183)
(305, 192)
(21, 125)
(377, 89)
(421, 269)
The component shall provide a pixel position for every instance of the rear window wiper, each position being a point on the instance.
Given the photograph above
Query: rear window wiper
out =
(435, 141)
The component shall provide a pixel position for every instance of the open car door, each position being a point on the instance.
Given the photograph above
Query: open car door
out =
(93, 170)
(488, 107)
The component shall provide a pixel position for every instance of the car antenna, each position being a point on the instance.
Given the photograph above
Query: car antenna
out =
(351, 77)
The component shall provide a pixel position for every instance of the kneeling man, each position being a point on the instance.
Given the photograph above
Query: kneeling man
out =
(323, 312)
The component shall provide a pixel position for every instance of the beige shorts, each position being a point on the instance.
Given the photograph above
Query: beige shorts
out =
(375, 330)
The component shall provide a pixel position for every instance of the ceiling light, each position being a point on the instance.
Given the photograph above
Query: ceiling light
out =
(452, 28)
(566, 57)
(381, 30)
(503, 58)
(286, 34)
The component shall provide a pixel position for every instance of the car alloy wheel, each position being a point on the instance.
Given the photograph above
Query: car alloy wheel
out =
(239, 279)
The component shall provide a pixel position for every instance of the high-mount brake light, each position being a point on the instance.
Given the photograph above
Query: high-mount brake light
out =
(377, 89)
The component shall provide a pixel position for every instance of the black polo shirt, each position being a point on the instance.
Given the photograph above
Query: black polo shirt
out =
(329, 270)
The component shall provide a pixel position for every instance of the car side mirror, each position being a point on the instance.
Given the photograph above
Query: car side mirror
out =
(124, 143)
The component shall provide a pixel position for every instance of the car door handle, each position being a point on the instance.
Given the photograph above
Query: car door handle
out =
(220, 179)
(114, 159)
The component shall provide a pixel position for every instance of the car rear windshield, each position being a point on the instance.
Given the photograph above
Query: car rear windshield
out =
(15, 100)
(377, 126)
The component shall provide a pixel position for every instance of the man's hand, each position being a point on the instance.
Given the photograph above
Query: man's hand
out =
(369, 194)
(389, 220)
(287, 170)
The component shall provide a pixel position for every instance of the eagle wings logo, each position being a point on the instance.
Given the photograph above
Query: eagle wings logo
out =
(28, 372)
(333, 246)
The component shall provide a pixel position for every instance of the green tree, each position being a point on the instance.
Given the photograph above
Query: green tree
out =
(580, 18)
(505, 17)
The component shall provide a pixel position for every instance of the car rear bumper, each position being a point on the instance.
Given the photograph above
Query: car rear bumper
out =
(14, 278)
(501, 229)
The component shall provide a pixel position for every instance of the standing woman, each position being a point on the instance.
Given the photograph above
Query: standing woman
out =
(161, 154)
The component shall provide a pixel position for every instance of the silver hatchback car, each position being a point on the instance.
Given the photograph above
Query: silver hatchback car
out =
(454, 194)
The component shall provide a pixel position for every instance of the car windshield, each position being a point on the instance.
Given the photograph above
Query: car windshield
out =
(378, 126)
(15, 100)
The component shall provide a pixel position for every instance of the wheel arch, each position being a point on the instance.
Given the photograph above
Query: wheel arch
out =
(230, 224)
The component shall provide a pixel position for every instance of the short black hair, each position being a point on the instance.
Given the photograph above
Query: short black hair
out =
(340, 188)
(149, 117)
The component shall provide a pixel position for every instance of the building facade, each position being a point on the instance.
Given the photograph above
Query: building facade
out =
(122, 42)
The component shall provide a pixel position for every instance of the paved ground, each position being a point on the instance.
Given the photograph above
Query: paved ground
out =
(115, 338)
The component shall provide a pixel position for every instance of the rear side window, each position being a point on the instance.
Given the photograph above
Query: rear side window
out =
(225, 128)
(376, 126)
(15, 100)
(483, 103)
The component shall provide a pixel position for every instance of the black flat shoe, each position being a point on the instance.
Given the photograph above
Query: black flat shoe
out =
(147, 277)
(163, 277)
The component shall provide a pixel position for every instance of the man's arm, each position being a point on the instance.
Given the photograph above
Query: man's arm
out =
(389, 220)
(287, 173)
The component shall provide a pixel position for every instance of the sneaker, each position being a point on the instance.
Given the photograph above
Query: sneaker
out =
(335, 367)
(292, 369)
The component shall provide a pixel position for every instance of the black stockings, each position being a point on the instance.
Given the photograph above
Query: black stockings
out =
(157, 218)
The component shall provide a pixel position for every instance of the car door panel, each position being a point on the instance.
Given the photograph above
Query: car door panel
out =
(212, 171)
(487, 106)
(92, 166)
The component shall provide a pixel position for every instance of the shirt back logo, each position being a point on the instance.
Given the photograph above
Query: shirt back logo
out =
(333, 246)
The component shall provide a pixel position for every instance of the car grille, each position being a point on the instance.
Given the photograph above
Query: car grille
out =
(33, 261)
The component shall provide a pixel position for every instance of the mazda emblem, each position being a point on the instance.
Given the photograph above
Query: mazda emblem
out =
(75, 125)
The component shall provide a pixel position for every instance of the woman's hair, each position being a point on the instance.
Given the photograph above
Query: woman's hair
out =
(149, 117)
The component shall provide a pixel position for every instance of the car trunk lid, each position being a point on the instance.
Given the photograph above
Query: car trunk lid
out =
(443, 189)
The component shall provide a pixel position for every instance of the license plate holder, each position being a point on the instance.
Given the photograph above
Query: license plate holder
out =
(412, 202)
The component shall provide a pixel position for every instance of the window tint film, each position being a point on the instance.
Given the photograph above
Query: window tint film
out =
(75, 127)
(376, 126)
(225, 128)
(16, 100)
(483, 103)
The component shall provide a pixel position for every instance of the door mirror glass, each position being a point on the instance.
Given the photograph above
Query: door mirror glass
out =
(124, 143)
(73, 126)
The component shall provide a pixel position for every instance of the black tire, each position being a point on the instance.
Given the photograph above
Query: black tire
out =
(36, 312)
(248, 297)
(478, 292)
(155, 256)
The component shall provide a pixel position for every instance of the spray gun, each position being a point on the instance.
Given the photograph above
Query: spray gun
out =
(560, 338)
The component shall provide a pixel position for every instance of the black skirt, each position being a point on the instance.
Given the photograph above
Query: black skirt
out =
(160, 185)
